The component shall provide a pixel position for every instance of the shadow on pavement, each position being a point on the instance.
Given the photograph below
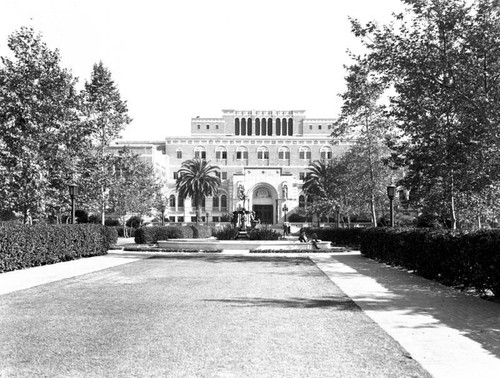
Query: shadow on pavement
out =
(218, 258)
(337, 303)
(475, 318)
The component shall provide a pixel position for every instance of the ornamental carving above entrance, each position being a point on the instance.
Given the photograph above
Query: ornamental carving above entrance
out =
(262, 193)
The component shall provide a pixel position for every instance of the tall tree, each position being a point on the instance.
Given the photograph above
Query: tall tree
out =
(39, 126)
(133, 186)
(363, 117)
(442, 59)
(197, 179)
(106, 115)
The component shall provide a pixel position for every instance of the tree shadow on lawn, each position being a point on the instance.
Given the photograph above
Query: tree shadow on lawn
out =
(340, 303)
(475, 318)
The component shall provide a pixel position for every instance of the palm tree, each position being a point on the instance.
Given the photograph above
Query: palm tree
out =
(317, 180)
(197, 179)
(319, 185)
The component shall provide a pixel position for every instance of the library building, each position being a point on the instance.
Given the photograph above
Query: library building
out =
(262, 156)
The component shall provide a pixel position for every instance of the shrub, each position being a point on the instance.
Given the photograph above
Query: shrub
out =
(201, 231)
(465, 259)
(111, 234)
(227, 232)
(263, 233)
(348, 237)
(108, 222)
(24, 246)
(134, 222)
(150, 235)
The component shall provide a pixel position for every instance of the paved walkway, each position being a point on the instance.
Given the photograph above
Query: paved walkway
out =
(449, 333)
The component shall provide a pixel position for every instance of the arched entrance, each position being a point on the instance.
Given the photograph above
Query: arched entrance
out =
(263, 203)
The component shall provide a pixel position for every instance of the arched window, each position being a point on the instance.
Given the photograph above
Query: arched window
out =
(215, 204)
(302, 201)
(249, 126)
(203, 203)
(269, 126)
(326, 153)
(181, 203)
(283, 126)
(264, 126)
(305, 153)
(263, 155)
(221, 154)
(236, 126)
(284, 155)
(243, 126)
(223, 202)
(278, 126)
(200, 152)
(290, 126)
(179, 153)
(171, 201)
(242, 154)
(257, 126)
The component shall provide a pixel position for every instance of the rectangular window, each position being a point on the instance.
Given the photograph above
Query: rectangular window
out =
(224, 175)
(179, 154)
(180, 219)
(208, 127)
(284, 155)
(171, 219)
(319, 127)
(302, 175)
(221, 155)
(216, 203)
(200, 154)
(215, 219)
(241, 155)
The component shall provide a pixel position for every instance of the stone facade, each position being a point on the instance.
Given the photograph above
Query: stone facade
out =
(262, 156)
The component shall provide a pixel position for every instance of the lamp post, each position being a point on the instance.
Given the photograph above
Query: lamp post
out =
(162, 209)
(285, 209)
(73, 192)
(391, 193)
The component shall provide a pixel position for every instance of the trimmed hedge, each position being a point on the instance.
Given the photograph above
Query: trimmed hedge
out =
(464, 259)
(263, 233)
(150, 235)
(348, 237)
(25, 246)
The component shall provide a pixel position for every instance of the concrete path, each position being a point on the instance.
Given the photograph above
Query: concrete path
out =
(449, 333)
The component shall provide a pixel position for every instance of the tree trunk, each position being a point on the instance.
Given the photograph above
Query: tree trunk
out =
(373, 210)
(103, 217)
(452, 205)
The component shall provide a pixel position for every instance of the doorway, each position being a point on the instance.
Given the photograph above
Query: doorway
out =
(264, 213)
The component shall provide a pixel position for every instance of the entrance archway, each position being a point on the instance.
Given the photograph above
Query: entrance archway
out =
(263, 203)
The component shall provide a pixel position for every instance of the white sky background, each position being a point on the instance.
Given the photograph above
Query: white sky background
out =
(174, 60)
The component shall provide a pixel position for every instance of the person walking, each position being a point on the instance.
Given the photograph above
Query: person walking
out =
(285, 228)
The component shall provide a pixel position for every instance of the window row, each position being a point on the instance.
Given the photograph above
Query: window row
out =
(218, 203)
(221, 175)
(320, 127)
(262, 153)
(263, 126)
(207, 127)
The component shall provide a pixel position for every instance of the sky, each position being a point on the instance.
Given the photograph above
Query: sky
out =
(175, 60)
